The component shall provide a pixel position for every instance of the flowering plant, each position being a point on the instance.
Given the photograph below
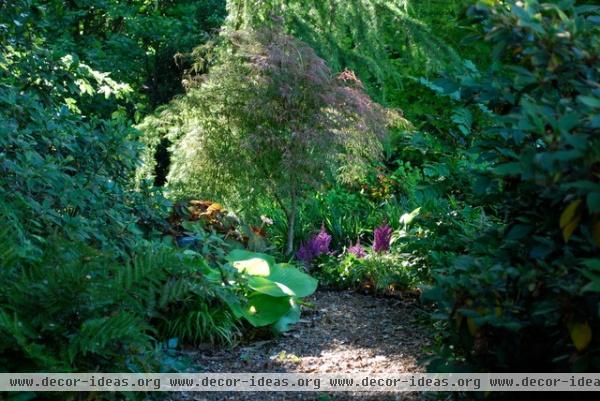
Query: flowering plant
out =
(383, 238)
(318, 245)
(357, 250)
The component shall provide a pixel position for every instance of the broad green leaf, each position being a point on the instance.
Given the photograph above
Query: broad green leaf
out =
(253, 267)
(290, 318)
(301, 284)
(241, 254)
(590, 101)
(253, 263)
(263, 310)
(266, 286)
(233, 302)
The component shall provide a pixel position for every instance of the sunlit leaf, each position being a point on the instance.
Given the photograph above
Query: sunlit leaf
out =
(263, 310)
(581, 335)
(569, 219)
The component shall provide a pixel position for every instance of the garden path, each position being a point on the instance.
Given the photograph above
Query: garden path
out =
(344, 332)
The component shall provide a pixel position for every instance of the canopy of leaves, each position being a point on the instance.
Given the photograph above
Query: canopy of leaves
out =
(378, 39)
(141, 42)
(269, 118)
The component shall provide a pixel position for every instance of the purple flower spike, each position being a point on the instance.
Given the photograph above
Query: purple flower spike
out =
(357, 250)
(318, 245)
(305, 253)
(383, 237)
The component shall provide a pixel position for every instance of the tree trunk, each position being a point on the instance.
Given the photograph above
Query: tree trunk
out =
(291, 220)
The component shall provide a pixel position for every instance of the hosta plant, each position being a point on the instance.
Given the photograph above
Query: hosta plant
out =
(273, 291)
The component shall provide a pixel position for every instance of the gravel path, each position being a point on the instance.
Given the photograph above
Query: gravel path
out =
(345, 332)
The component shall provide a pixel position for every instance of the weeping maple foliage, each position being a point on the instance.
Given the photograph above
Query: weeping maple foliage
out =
(269, 118)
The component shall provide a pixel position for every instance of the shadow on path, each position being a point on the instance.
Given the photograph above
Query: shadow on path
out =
(346, 332)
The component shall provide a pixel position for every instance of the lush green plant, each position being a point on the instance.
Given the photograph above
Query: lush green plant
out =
(140, 42)
(78, 309)
(272, 117)
(272, 291)
(377, 273)
(67, 167)
(203, 323)
(491, 194)
(83, 290)
(524, 295)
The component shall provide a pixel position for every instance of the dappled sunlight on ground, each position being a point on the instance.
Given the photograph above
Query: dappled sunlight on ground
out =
(345, 332)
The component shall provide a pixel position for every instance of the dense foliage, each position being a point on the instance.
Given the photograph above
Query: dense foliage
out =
(528, 287)
(269, 116)
(382, 41)
(171, 170)
(90, 282)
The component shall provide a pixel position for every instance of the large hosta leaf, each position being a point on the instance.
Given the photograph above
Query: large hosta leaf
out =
(275, 288)
(263, 310)
(269, 287)
(301, 284)
(255, 264)
(290, 318)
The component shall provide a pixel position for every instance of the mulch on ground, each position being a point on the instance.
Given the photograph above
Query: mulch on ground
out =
(345, 332)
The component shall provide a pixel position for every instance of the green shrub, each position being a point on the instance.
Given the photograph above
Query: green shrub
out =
(78, 309)
(83, 289)
(63, 173)
(142, 45)
(378, 273)
(524, 294)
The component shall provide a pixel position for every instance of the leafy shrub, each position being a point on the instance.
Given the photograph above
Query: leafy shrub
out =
(524, 294)
(83, 288)
(212, 230)
(292, 122)
(375, 272)
(382, 267)
(139, 44)
(78, 309)
(64, 173)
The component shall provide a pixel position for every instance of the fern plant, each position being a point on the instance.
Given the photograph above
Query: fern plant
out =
(78, 309)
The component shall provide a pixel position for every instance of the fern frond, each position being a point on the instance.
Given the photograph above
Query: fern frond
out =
(95, 335)
(174, 290)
